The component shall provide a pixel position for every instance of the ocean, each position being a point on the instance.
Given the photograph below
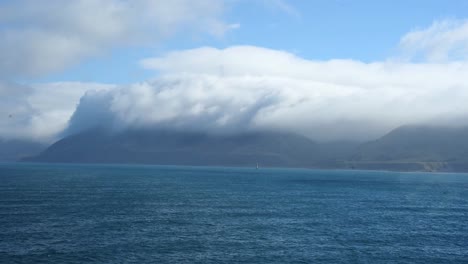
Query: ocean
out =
(173, 214)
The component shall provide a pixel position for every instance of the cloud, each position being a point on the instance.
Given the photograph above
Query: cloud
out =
(243, 88)
(41, 38)
(39, 112)
(246, 87)
(283, 6)
(198, 102)
(444, 40)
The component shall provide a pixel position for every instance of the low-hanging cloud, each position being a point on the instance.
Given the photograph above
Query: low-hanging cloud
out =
(40, 38)
(39, 112)
(242, 88)
(246, 87)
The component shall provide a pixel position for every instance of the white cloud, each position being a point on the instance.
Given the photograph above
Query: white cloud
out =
(444, 40)
(284, 6)
(41, 37)
(40, 112)
(47, 36)
(245, 87)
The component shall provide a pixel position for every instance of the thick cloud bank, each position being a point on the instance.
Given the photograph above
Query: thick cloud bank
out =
(42, 37)
(245, 87)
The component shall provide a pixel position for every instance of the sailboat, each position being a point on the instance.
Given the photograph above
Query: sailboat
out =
(257, 166)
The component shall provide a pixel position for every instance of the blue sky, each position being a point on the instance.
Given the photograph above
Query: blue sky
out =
(316, 30)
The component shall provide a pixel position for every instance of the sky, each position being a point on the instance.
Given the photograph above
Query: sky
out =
(330, 70)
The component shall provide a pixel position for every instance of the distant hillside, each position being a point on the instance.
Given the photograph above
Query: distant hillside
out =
(14, 150)
(185, 148)
(408, 148)
(413, 147)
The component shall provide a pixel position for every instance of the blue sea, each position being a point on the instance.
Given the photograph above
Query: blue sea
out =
(171, 214)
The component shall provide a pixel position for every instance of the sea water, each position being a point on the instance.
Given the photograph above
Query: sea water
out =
(170, 214)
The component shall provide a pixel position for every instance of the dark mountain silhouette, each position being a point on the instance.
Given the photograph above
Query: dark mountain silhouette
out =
(407, 148)
(417, 148)
(184, 148)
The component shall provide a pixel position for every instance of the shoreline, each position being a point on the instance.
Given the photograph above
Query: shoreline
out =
(13, 163)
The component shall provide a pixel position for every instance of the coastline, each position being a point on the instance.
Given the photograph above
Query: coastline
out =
(253, 167)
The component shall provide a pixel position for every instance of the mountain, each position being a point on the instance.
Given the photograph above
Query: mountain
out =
(14, 150)
(407, 148)
(184, 148)
(416, 148)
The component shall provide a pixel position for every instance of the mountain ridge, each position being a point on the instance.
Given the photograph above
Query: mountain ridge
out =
(406, 148)
(181, 148)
